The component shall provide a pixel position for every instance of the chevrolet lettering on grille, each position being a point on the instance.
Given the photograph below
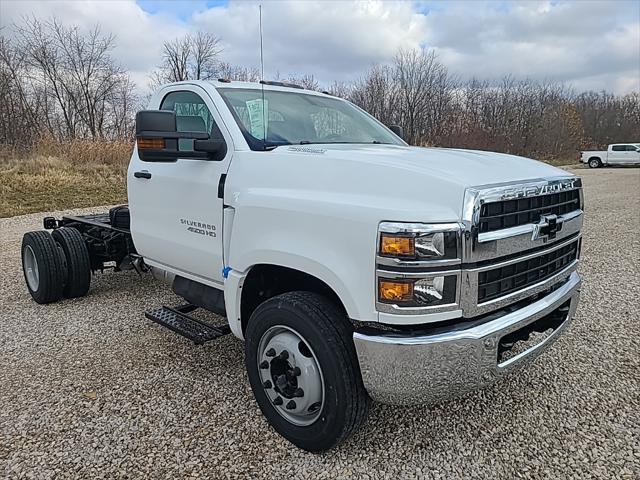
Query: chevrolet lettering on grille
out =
(535, 190)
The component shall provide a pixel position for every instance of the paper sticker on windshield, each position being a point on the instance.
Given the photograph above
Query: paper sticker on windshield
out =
(258, 117)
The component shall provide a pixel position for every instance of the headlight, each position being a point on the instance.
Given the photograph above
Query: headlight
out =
(417, 268)
(418, 241)
(433, 290)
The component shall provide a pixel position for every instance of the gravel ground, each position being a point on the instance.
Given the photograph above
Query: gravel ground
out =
(91, 389)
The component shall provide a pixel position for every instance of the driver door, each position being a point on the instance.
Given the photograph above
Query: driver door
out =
(176, 213)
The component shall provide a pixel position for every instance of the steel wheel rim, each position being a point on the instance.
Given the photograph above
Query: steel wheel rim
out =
(304, 387)
(593, 163)
(31, 268)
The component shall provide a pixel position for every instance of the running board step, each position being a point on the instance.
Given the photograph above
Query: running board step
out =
(179, 320)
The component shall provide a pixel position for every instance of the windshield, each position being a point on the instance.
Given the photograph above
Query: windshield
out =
(291, 118)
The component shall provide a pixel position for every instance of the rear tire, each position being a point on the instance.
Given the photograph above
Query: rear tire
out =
(326, 344)
(43, 266)
(78, 274)
(595, 162)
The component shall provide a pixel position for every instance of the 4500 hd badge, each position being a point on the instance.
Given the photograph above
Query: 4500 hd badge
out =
(199, 227)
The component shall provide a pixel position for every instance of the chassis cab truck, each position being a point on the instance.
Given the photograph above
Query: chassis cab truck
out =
(352, 265)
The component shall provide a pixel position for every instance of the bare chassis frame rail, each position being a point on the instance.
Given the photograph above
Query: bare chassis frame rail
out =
(105, 242)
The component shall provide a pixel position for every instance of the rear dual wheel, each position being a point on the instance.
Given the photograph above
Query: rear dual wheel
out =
(76, 253)
(55, 265)
(43, 265)
(304, 371)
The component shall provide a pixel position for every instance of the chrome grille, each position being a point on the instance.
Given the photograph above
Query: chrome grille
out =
(502, 281)
(512, 213)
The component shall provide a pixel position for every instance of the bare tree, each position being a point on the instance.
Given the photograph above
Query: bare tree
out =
(192, 57)
(20, 109)
(238, 73)
(422, 85)
(67, 76)
(340, 89)
(377, 93)
(306, 81)
(206, 50)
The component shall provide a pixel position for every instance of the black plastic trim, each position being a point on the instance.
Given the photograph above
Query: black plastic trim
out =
(223, 179)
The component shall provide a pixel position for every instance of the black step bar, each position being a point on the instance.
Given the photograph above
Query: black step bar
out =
(179, 320)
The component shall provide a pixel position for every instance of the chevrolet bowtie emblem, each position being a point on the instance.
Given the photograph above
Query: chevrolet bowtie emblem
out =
(547, 227)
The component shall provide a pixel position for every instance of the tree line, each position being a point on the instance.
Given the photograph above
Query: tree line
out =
(64, 82)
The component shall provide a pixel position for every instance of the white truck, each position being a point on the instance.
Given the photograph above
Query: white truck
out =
(353, 266)
(615, 154)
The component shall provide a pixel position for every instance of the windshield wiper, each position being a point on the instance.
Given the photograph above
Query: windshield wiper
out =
(375, 142)
(271, 146)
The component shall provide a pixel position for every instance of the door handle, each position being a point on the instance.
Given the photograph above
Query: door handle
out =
(142, 174)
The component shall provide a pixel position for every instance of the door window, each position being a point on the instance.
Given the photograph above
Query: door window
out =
(192, 115)
(619, 148)
(631, 148)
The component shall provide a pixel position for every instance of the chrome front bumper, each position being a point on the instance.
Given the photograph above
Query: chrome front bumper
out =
(408, 369)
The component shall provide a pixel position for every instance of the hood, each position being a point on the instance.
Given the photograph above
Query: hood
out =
(465, 168)
(384, 182)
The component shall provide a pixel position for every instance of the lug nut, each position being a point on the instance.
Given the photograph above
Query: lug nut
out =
(283, 355)
(290, 405)
(298, 393)
(297, 371)
(270, 353)
(267, 384)
(278, 401)
(264, 365)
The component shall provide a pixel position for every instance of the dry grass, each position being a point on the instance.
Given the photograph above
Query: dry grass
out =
(60, 175)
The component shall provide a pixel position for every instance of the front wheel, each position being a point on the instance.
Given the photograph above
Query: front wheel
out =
(303, 370)
(595, 163)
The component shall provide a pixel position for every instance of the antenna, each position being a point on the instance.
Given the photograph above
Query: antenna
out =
(264, 120)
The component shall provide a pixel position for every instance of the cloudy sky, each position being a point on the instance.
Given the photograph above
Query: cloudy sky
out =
(590, 44)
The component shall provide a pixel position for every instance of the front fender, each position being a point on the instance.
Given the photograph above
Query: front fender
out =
(328, 246)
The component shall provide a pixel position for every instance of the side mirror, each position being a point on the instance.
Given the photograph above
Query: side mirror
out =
(159, 141)
(397, 129)
(154, 123)
(217, 149)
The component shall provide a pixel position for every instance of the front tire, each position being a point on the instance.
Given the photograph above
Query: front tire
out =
(304, 371)
(595, 162)
(43, 266)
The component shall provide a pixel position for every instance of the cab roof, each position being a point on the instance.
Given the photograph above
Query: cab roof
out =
(266, 84)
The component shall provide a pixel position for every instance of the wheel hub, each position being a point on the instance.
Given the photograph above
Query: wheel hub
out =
(31, 268)
(291, 375)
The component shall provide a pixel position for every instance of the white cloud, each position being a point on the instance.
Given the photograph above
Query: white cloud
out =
(332, 40)
(591, 44)
(139, 35)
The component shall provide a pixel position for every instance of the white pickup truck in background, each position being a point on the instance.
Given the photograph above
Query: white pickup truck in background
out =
(352, 265)
(615, 154)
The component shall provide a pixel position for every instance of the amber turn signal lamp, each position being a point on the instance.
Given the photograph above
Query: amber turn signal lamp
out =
(389, 290)
(151, 143)
(397, 246)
